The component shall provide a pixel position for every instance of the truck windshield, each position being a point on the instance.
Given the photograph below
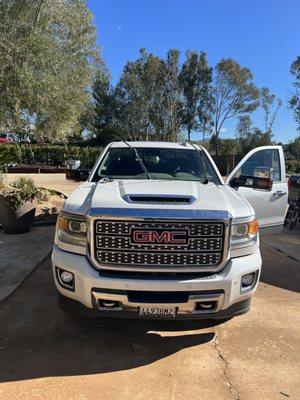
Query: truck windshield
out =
(161, 163)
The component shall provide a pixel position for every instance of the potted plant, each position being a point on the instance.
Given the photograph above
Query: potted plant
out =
(17, 205)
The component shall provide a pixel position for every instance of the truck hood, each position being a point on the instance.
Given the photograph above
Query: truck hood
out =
(119, 193)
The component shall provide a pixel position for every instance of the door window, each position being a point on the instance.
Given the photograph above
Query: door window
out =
(264, 158)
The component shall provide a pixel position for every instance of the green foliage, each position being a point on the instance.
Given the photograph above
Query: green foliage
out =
(292, 166)
(147, 98)
(48, 155)
(292, 149)
(195, 79)
(229, 146)
(102, 117)
(48, 54)
(226, 146)
(295, 99)
(10, 154)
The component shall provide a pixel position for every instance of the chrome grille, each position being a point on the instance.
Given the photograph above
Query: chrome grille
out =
(113, 244)
(123, 227)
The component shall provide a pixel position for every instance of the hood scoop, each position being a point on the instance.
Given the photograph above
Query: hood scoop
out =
(159, 199)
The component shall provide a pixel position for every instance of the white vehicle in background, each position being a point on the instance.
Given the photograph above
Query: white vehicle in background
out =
(155, 232)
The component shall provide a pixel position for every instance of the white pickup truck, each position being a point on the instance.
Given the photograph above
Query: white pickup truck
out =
(155, 232)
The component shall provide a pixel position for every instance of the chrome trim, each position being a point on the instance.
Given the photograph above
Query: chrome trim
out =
(249, 288)
(70, 247)
(146, 215)
(188, 307)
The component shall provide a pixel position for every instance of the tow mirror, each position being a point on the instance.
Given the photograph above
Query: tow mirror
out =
(77, 174)
(83, 174)
(262, 179)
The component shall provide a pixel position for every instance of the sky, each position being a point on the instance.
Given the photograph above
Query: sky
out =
(263, 35)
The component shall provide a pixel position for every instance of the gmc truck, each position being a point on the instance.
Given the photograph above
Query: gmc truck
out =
(155, 232)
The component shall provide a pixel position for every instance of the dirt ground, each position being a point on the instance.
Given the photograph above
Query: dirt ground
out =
(47, 354)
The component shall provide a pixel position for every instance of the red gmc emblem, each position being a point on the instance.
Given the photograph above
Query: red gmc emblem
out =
(160, 236)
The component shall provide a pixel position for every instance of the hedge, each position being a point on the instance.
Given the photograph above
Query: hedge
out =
(54, 155)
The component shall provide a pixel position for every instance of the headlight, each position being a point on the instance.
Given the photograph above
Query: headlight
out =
(71, 230)
(244, 234)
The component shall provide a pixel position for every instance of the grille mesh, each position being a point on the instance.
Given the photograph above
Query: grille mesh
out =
(113, 244)
(125, 243)
(158, 259)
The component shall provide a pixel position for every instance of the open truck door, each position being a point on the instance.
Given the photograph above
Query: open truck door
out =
(260, 178)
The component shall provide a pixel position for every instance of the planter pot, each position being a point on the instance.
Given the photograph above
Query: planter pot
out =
(19, 220)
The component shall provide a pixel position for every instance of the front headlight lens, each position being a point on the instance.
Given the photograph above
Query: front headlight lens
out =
(71, 229)
(244, 234)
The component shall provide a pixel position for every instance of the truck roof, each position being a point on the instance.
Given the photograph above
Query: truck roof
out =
(166, 145)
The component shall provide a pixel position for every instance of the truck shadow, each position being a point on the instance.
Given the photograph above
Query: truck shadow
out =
(38, 340)
(279, 270)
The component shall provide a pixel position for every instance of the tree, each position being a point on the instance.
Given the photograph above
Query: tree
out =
(250, 137)
(104, 108)
(270, 109)
(229, 146)
(171, 96)
(48, 54)
(234, 94)
(147, 98)
(294, 148)
(295, 99)
(195, 80)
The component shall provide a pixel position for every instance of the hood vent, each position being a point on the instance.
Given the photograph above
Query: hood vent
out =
(159, 199)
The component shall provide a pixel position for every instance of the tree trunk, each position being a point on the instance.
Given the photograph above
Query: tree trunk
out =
(189, 135)
(217, 143)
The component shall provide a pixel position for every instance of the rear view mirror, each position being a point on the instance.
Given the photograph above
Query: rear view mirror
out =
(262, 179)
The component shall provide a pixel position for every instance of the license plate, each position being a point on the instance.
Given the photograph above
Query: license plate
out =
(157, 312)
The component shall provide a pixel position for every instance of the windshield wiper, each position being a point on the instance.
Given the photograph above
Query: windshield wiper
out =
(200, 152)
(139, 159)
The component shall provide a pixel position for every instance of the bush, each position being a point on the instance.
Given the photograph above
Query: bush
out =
(19, 192)
(53, 155)
(292, 166)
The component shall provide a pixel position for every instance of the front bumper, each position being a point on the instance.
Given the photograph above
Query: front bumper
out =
(222, 290)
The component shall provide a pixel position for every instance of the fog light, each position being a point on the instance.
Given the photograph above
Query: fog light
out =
(66, 276)
(66, 279)
(248, 279)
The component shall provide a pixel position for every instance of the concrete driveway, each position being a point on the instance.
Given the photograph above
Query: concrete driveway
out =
(47, 354)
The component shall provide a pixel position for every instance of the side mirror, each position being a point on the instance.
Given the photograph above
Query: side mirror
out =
(77, 174)
(82, 174)
(262, 179)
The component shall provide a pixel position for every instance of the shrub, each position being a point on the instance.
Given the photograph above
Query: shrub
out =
(292, 166)
(19, 192)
